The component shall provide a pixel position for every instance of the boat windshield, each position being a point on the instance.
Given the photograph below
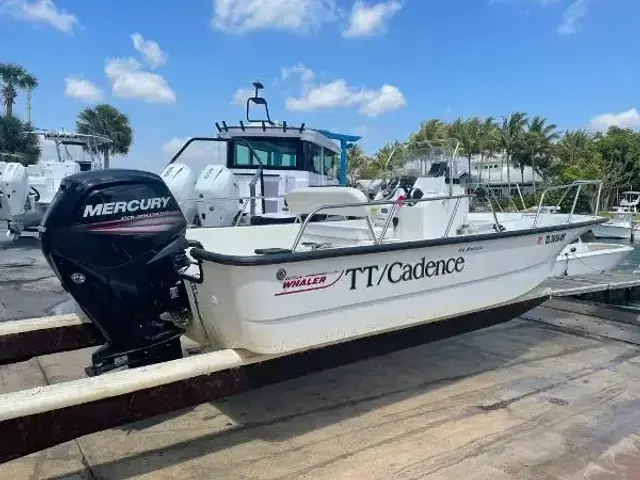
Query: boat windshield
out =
(280, 153)
(270, 152)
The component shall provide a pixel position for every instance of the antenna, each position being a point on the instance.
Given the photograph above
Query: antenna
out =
(258, 100)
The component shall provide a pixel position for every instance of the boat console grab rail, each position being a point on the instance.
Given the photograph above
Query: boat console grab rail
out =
(394, 202)
(579, 184)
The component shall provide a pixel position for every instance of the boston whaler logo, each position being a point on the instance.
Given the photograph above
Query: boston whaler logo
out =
(396, 272)
(132, 206)
(306, 283)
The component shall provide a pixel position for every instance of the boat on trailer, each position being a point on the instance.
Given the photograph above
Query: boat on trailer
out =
(145, 279)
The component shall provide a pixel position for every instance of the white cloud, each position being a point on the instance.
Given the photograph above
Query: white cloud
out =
(82, 89)
(572, 17)
(338, 93)
(306, 74)
(41, 11)
(150, 51)
(242, 16)
(628, 119)
(240, 96)
(368, 20)
(129, 80)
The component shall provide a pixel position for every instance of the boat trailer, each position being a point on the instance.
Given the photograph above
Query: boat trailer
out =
(42, 417)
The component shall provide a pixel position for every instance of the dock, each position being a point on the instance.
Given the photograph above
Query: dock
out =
(584, 284)
(551, 394)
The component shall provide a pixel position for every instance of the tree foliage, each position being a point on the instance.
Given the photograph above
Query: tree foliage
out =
(15, 139)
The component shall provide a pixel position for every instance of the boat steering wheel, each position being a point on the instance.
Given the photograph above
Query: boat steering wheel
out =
(390, 183)
(36, 193)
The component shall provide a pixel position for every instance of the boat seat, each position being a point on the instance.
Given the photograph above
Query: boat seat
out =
(303, 201)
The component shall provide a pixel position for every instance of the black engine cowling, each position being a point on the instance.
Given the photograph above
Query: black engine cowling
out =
(116, 240)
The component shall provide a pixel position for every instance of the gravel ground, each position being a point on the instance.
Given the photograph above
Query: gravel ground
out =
(28, 287)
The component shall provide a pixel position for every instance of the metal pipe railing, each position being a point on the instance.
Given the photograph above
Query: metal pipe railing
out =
(388, 220)
(577, 184)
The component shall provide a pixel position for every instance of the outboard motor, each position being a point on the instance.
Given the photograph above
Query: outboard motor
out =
(116, 240)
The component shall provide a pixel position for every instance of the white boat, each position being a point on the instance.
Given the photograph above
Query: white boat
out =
(629, 201)
(146, 280)
(248, 168)
(619, 226)
(580, 258)
(26, 192)
(622, 224)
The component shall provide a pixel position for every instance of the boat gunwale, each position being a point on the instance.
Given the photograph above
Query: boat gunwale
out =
(201, 254)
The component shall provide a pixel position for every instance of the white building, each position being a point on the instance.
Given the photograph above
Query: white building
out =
(493, 172)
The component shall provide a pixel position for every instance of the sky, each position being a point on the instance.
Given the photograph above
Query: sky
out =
(371, 68)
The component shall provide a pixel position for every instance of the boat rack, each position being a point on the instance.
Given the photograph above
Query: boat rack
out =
(42, 417)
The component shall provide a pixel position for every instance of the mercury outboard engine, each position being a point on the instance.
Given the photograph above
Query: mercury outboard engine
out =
(116, 240)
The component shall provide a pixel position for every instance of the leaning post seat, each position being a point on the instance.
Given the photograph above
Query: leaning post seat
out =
(304, 201)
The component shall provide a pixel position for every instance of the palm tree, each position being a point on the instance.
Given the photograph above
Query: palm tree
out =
(106, 121)
(14, 76)
(357, 161)
(469, 134)
(574, 145)
(538, 143)
(489, 140)
(15, 140)
(433, 129)
(511, 133)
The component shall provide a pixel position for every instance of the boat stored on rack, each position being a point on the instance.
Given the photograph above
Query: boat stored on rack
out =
(276, 289)
(26, 192)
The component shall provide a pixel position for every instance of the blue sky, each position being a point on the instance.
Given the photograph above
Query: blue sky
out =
(375, 68)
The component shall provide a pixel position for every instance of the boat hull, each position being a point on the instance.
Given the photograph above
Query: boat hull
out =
(589, 262)
(278, 308)
(612, 231)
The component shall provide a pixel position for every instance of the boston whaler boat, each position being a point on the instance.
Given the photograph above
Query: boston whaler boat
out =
(118, 242)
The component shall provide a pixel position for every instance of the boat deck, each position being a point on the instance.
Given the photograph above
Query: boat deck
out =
(552, 394)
